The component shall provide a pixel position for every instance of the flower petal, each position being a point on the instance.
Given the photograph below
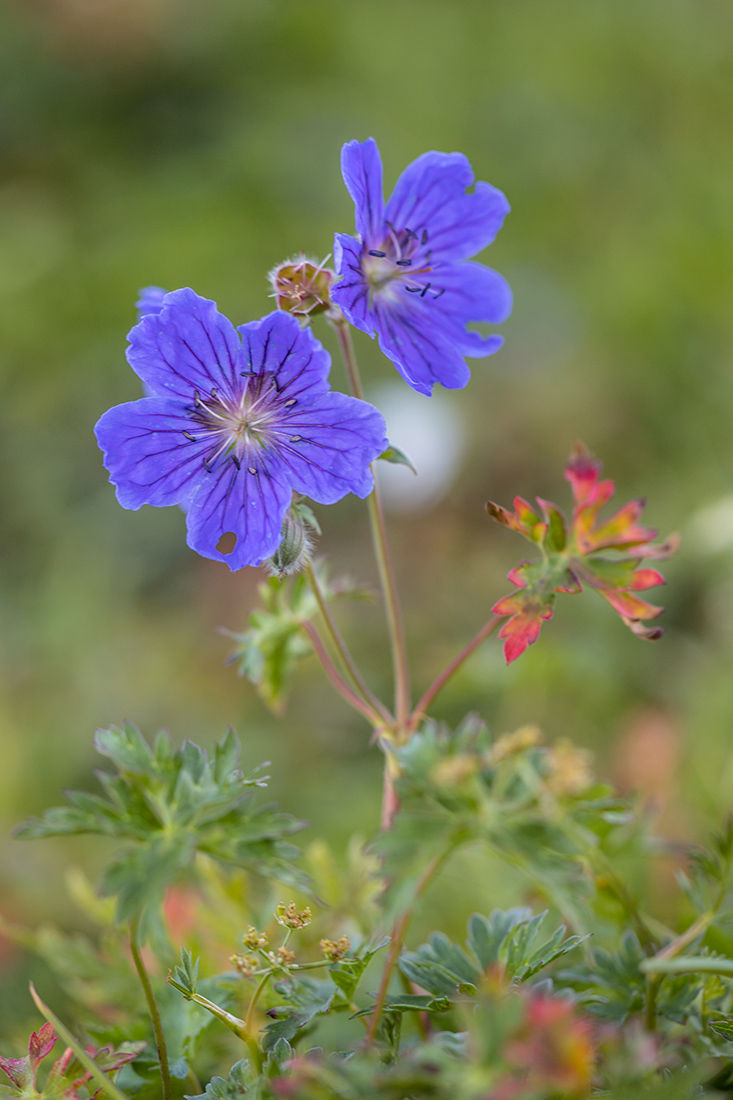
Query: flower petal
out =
(188, 346)
(351, 293)
(149, 459)
(339, 437)
(361, 167)
(251, 505)
(277, 344)
(431, 195)
(150, 300)
(458, 295)
(420, 352)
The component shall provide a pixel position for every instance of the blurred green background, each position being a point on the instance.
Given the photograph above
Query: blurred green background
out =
(181, 143)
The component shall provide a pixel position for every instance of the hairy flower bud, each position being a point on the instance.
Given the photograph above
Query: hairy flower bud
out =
(296, 545)
(302, 286)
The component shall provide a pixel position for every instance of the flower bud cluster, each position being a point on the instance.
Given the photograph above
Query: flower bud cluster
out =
(291, 917)
(246, 965)
(254, 940)
(335, 950)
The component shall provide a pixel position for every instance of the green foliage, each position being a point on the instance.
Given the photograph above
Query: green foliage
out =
(172, 804)
(533, 805)
(237, 1084)
(268, 653)
(503, 943)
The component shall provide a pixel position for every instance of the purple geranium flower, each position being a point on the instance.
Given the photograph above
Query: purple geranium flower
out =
(406, 277)
(237, 419)
(150, 300)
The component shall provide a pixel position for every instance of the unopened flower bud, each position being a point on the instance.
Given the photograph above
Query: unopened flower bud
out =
(302, 286)
(285, 956)
(295, 549)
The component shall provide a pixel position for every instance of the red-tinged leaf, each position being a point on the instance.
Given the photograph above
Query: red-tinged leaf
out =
(648, 633)
(527, 609)
(41, 1043)
(18, 1070)
(620, 532)
(556, 538)
(523, 520)
(630, 606)
(646, 578)
(605, 575)
(569, 559)
(583, 471)
(570, 583)
(661, 551)
(522, 629)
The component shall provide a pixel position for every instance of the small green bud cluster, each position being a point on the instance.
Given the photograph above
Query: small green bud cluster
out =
(254, 940)
(335, 950)
(291, 917)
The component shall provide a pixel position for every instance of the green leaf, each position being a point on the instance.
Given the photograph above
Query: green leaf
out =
(237, 1084)
(305, 998)
(169, 804)
(397, 458)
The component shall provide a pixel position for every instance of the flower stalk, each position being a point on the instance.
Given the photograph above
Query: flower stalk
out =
(385, 566)
(142, 974)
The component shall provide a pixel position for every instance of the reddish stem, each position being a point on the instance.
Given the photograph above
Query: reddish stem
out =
(440, 681)
(341, 686)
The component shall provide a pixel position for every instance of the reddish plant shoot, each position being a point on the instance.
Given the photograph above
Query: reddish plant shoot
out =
(576, 555)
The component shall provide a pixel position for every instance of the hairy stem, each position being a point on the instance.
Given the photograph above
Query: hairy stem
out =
(398, 935)
(381, 549)
(142, 974)
(337, 680)
(342, 649)
(440, 681)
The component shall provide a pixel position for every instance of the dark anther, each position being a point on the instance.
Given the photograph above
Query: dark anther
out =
(252, 469)
(236, 462)
(289, 404)
(414, 289)
(189, 437)
(404, 263)
(424, 290)
(275, 385)
(207, 466)
(441, 291)
(214, 393)
(424, 238)
(295, 438)
(248, 373)
(410, 233)
(196, 399)
(376, 252)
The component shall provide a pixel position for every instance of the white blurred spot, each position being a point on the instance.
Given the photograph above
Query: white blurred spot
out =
(430, 431)
(712, 526)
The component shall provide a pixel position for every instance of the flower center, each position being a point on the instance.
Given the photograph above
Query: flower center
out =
(237, 426)
(401, 257)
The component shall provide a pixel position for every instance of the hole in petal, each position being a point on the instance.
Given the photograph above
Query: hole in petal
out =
(227, 542)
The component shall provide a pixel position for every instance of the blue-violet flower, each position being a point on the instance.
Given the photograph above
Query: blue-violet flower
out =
(236, 420)
(406, 275)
